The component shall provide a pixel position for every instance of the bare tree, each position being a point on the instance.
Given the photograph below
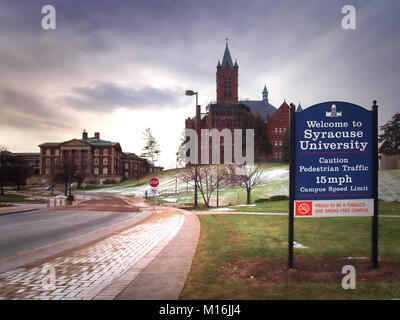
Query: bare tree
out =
(4, 168)
(208, 179)
(66, 173)
(247, 177)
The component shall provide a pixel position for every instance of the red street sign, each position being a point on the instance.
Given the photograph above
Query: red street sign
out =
(154, 182)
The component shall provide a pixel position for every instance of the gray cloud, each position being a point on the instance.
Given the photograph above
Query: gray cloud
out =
(29, 111)
(106, 97)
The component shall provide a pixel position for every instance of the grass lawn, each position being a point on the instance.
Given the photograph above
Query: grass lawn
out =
(228, 238)
(15, 198)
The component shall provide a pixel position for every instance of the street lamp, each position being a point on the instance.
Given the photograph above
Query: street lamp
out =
(191, 93)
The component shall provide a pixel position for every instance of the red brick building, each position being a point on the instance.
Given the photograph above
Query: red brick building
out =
(19, 168)
(98, 159)
(229, 112)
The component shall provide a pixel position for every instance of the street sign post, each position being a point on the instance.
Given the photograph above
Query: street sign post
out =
(333, 165)
(154, 182)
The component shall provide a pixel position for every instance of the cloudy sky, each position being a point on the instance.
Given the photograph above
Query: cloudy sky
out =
(120, 66)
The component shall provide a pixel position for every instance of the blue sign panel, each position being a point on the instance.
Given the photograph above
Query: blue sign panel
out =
(334, 152)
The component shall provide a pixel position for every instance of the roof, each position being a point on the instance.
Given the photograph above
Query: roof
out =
(227, 59)
(24, 154)
(260, 107)
(49, 144)
(97, 142)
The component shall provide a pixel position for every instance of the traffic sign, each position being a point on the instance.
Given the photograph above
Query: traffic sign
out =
(153, 191)
(154, 182)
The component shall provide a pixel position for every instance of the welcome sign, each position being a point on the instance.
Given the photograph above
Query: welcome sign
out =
(333, 164)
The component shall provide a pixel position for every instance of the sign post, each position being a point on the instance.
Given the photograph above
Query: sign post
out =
(334, 165)
(154, 182)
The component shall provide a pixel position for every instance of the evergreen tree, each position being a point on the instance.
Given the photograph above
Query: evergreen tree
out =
(245, 123)
(151, 150)
(262, 144)
(390, 138)
(286, 146)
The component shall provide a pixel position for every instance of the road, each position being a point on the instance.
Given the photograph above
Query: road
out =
(22, 232)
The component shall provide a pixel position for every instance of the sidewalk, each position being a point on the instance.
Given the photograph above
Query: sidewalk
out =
(148, 261)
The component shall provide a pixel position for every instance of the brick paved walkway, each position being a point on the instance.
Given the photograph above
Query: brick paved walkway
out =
(85, 273)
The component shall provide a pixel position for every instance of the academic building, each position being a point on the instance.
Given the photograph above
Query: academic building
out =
(230, 112)
(99, 160)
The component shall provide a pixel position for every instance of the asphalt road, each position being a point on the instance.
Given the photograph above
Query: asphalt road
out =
(22, 232)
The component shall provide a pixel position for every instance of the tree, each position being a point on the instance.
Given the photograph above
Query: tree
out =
(66, 173)
(208, 179)
(286, 146)
(180, 154)
(18, 172)
(247, 177)
(4, 167)
(390, 138)
(151, 150)
(262, 144)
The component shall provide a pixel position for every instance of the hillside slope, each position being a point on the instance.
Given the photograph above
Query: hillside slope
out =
(276, 182)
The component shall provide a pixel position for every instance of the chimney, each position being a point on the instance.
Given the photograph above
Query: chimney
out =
(97, 135)
(84, 135)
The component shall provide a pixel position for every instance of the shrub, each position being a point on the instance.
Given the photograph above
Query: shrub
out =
(70, 197)
(278, 198)
(262, 200)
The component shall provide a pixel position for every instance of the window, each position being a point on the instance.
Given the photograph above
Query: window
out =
(126, 165)
(96, 161)
(126, 174)
(276, 143)
(276, 130)
(47, 171)
(96, 152)
(135, 166)
(47, 161)
(96, 171)
(47, 152)
(105, 161)
(280, 130)
(105, 171)
(280, 143)
(105, 152)
(57, 152)
(56, 161)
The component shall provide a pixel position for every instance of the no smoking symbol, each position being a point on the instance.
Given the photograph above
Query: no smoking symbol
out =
(304, 208)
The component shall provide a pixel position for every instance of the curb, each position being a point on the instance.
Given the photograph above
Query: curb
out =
(163, 271)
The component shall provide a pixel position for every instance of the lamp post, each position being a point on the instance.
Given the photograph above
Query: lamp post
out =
(191, 93)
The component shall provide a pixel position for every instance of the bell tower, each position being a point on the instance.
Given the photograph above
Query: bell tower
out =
(227, 79)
